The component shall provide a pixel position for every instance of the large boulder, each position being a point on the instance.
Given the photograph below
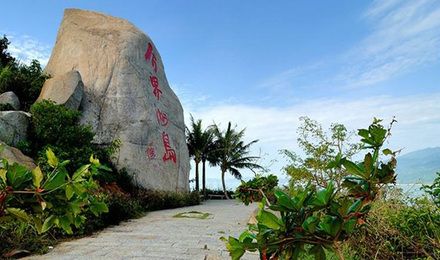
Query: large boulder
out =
(64, 89)
(126, 96)
(9, 98)
(13, 155)
(13, 126)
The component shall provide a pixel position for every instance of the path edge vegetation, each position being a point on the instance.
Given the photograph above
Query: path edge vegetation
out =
(308, 220)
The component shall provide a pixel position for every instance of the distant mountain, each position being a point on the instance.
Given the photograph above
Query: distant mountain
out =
(418, 166)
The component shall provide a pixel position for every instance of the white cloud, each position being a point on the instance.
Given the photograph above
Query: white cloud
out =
(404, 36)
(27, 48)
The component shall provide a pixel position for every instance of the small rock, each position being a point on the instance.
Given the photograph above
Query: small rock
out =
(65, 89)
(9, 98)
(12, 154)
(13, 126)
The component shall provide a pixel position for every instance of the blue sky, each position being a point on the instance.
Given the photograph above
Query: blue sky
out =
(263, 65)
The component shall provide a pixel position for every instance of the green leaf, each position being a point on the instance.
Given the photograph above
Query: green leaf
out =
(69, 191)
(18, 213)
(284, 200)
(81, 171)
(51, 158)
(79, 188)
(330, 225)
(323, 196)
(310, 224)
(368, 165)
(269, 220)
(37, 177)
(93, 160)
(98, 208)
(56, 180)
(235, 248)
(387, 151)
(48, 223)
(3, 175)
(65, 224)
(352, 168)
(355, 206)
(246, 237)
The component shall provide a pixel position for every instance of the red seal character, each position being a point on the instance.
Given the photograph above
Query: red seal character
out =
(151, 152)
(155, 85)
(162, 118)
(150, 55)
(170, 154)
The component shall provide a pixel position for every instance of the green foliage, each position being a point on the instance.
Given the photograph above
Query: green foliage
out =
(252, 190)
(156, 200)
(433, 190)
(231, 154)
(311, 220)
(24, 80)
(320, 147)
(5, 56)
(200, 146)
(399, 229)
(52, 199)
(58, 127)
(23, 238)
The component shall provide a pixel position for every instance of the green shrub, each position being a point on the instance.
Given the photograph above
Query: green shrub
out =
(252, 190)
(49, 199)
(399, 229)
(156, 200)
(312, 220)
(433, 190)
(57, 127)
(24, 80)
(22, 237)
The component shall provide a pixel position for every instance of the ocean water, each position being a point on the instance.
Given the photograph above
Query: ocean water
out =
(410, 190)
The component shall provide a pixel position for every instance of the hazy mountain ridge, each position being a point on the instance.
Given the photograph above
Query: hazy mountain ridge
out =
(419, 166)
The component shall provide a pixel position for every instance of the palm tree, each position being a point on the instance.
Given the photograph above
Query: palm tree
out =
(231, 153)
(208, 147)
(195, 145)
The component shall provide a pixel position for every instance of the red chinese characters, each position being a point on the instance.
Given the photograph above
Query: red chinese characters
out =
(150, 55)
(162, 118)
(155, 85)
(151, 152)
(170, 154)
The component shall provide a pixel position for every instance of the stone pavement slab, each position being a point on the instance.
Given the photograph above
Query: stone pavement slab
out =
(159, 235)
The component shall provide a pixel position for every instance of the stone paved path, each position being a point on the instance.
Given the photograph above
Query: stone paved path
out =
(159, 235)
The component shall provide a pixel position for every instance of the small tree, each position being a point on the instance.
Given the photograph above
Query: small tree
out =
(319, 147)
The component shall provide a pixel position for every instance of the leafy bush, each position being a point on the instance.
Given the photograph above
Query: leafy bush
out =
(315, 219)
(252, 190)
(156, 200)
(319, 147)
(53, 199)
(433, 190)
(399, 229)
(19, 239)
(57, 127)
